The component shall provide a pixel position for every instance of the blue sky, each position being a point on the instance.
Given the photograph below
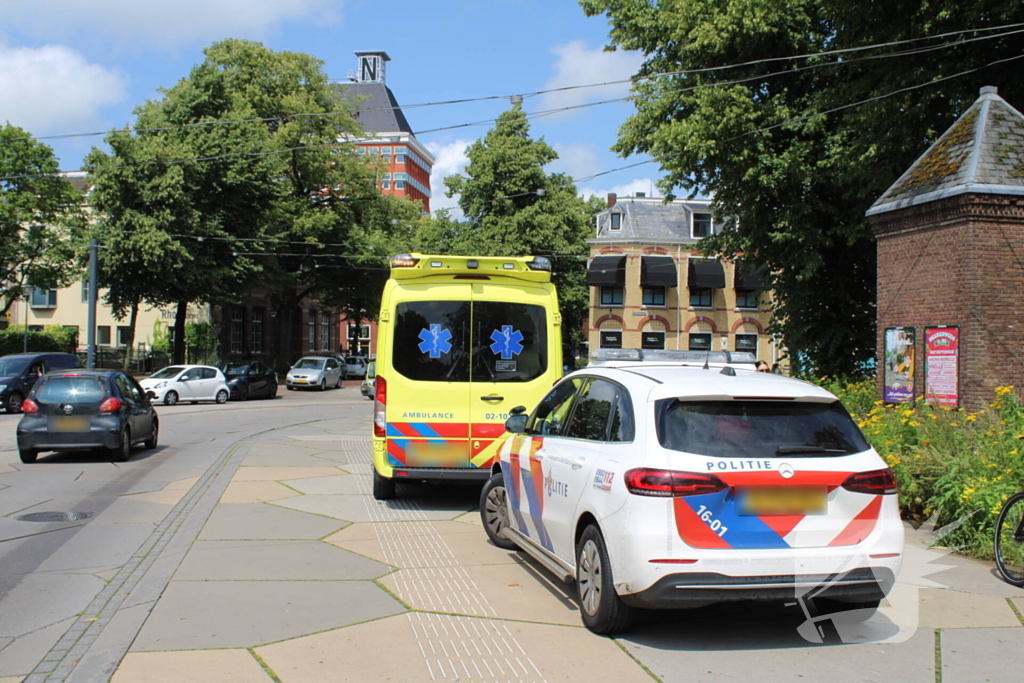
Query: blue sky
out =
(68, 66)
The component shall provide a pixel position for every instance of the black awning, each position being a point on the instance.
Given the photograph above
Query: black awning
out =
(607, 271)
(749, 277)
(706, 274)
(658, 271)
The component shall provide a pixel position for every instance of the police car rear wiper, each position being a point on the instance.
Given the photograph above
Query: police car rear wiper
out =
(806, 450)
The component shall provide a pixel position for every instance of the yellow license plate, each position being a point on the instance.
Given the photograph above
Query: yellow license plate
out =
(783, 500)
(69, 423)
(299, 381)
(437, 454)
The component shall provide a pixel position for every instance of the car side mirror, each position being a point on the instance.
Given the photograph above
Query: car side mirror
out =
(516, 424)
(518, 410)
(184, 378)
(150, 394)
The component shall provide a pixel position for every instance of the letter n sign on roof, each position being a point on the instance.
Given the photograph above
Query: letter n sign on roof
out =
(370, 69)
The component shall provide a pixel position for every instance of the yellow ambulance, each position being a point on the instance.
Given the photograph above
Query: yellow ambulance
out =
(461, 341)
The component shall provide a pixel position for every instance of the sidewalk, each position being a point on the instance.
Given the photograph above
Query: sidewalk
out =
(298, 575)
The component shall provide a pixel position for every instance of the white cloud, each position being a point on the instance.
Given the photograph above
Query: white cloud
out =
(579, 65)
(54, 87)
(449, 159)
(645, 185)
(165, 23)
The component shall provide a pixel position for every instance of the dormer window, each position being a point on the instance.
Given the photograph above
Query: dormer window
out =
(702, 225)
(616, 219)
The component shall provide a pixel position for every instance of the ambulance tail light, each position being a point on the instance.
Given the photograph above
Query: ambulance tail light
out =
(404, 261)
(380, 420)
(875, 482)
(644, 481)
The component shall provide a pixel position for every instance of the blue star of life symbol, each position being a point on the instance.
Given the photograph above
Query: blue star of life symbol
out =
(507, 342)
(435, 340)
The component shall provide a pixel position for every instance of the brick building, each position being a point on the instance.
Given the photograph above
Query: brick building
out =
(950, 238)
(651, 287)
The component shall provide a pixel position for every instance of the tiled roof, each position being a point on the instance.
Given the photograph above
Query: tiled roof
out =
(983, 152)
(650, 219)
(378, 110)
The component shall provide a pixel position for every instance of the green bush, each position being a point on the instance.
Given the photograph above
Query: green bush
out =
(53, 339)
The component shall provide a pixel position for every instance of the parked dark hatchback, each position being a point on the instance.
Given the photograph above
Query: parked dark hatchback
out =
(250, 380)
(19, 372)
(86, 409)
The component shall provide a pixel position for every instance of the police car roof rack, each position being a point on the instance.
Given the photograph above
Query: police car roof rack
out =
(671, 357)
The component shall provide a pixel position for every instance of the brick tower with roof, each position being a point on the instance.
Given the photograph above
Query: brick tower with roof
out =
(389, 138)
(950, 241)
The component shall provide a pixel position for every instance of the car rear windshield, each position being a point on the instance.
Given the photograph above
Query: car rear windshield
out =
(167, 373)
(757, 429)
(77, 390)
(309, 363)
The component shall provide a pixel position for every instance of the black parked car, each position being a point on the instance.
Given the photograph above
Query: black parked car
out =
(81, 410)
(19, 372)
(250, 380)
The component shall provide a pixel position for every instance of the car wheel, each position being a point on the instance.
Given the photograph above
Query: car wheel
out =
(272, 393)
(494, 512)
(124, 451)
(323, 385)
(290, 388)
(171, 398)
(151, 441)
(14, 403)
(383, 488)
(243, 392)
(28, 455)
(601, 607)
(337, 385)
(222, 396)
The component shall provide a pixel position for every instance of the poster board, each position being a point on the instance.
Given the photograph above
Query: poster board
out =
(942, 365)
(899, 365)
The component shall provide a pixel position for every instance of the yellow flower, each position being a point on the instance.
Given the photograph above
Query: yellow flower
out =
(954, 424)
(914, 423)
(908, 412)
(972, 418)
(1013, 452)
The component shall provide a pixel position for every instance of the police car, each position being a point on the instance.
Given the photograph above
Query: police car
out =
(653, 484)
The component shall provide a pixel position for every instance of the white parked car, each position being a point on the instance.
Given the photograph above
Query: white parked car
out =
(318, 372)
(660, 486)
(355, 366)
(192, 383)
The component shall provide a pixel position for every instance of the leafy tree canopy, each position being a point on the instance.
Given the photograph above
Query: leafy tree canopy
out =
(798, 148)
(512, 207)
(36, 206)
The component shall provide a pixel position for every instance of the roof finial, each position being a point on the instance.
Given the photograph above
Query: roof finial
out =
(989, 90)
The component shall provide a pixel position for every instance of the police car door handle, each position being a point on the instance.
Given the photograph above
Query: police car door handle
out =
(576, 464)
(492, 398)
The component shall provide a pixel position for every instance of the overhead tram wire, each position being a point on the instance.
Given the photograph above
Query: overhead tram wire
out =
(766, 60)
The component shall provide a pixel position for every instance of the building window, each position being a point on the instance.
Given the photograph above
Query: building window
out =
(85, 291)
(325, 332)
(123, 334)
(611, 339)
(43, 298)
(256, 330)
(653, 340)
(385, 183)
(611, 296)
(237, 333)
(312, 331)
(747, 299)
(103, 335)
(701, 297)
(746, 342)
(400, 153)
(654, 296)
(385, 153)
(400, 179)
(616, 221)
(372, 151)
(702, 225)
(700, 341)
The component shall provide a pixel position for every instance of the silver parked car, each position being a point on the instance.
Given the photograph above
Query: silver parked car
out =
(314, 371)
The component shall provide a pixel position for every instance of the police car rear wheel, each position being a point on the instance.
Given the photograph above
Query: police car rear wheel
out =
(383, 488)
(600, 606)
(494, 512)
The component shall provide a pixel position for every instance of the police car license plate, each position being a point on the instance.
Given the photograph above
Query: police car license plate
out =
(783, 500)
(69, 423)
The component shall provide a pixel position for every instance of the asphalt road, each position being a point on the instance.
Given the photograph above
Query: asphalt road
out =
(51, 571)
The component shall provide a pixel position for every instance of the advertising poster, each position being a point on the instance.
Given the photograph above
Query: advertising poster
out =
(942, 365)
(898, 380)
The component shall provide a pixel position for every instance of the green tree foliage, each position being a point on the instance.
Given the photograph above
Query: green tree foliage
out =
(778, 143)
(234, 177)
(36, 206)
(513, 208)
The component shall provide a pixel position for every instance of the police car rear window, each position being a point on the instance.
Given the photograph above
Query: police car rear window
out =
(77, 390)
(462, 341)
(758, 429)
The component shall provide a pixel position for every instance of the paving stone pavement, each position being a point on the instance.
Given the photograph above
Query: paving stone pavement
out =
(300, 576)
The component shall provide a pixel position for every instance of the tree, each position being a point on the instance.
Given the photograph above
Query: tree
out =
(797, 149)
(235, 176)
(513, 208)
(37, 205)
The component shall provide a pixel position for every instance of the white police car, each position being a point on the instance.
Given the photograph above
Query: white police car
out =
(656, 485)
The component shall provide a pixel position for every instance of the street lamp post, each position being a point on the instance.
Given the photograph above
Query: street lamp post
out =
(27, 291)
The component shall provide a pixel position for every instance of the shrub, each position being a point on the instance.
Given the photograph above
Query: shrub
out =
(53, 339)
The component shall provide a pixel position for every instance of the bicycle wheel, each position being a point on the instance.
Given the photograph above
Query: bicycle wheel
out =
(1009, 540)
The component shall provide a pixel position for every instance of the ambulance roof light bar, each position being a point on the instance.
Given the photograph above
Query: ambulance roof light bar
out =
(404, 261)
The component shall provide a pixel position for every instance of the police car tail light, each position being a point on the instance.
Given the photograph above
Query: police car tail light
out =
(645, 481)
(111, 405)
(876, 482)
(380, 408)
(29, 406)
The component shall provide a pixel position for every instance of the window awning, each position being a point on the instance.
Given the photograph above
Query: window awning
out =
(658, 271)
(749, 277)
(706, 274)
(607, 271)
